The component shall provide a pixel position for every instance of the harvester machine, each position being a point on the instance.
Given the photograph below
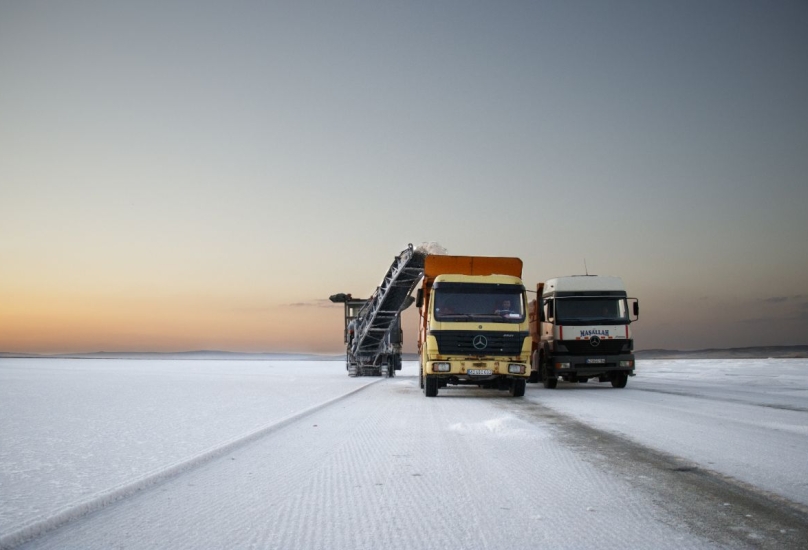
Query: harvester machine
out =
(372, 329)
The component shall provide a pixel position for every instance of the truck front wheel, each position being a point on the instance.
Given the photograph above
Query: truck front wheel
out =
(550, 382)
(517, 388)
(430, 386)
(619, 380)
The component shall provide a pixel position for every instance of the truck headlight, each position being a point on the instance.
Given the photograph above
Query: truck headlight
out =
(515, 368)
(626, 363)
(441, 367)
(562, 365)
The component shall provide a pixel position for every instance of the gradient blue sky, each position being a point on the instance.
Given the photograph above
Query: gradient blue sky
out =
(202, 175)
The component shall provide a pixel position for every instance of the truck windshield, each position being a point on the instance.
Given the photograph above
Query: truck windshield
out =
(501, 304)
(591, 310)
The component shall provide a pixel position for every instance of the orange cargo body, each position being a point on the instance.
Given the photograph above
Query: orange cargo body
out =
(471, 265)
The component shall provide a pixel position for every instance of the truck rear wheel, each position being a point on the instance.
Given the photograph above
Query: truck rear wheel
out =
(535, 375)
(619, 380)
(431, 386)
(517, 388)
(550, 382)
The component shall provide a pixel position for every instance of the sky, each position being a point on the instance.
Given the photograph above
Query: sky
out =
(199, 175)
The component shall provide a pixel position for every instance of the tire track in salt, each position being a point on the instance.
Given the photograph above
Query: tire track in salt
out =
(707, 503)
(103, 499)
(683, 393)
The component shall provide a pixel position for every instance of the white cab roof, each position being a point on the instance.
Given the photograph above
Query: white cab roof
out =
(583, 283)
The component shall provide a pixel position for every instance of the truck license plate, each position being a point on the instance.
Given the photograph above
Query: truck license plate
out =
(480, 372)
(595, 361)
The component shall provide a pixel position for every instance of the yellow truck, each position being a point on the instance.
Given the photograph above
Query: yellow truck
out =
(473, 324)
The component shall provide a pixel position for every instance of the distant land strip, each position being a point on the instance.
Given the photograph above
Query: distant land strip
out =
(210, 355)
(756, 352)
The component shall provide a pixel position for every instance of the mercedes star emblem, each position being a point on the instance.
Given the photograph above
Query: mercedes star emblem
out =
(594, 341)
(479, 342)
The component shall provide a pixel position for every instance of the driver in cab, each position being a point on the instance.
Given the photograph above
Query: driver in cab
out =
(504, 308)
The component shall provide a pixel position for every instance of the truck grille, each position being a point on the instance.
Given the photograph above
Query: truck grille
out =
(461, 342)
(583, 347)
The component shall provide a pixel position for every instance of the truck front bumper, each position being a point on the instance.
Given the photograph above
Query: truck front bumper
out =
(592, 365)
(478, 370)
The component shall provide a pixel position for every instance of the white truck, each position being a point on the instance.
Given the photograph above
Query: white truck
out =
(581, 329)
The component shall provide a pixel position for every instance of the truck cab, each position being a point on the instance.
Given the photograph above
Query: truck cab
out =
(581, 329)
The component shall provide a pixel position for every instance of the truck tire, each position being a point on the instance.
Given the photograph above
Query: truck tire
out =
(517, 388)
(550, 382)
(619, 380)
(431, 386)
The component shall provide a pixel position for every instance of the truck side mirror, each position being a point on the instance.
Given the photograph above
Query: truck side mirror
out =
(419, 300)
(550, 313)
(636, 306)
